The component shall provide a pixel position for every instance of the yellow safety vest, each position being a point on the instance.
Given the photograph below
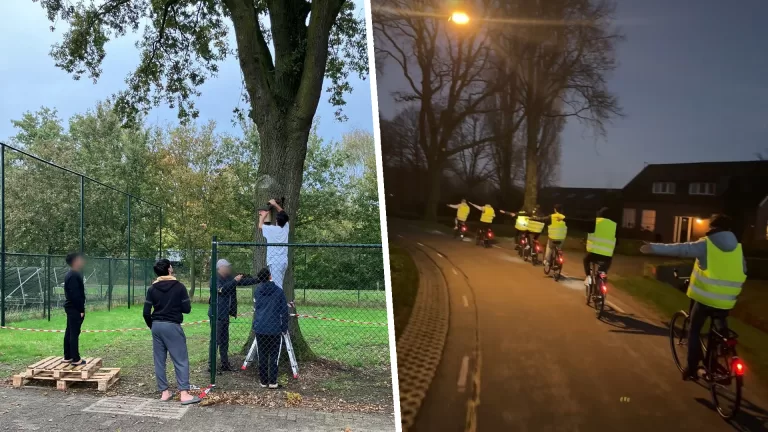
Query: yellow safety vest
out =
(603, 240)
(462, 212)
(557, 229)
(521, 223)
(720, 284)
(488, 214)
(535, 226)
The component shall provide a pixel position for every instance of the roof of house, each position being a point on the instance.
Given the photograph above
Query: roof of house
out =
(578, 201)
(745, 181)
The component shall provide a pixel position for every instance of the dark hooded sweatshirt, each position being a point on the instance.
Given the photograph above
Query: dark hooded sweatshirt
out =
(270, 309)
(167, 300)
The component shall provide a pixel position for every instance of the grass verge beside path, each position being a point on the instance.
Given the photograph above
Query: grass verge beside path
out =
(405, 283)
(753, 343)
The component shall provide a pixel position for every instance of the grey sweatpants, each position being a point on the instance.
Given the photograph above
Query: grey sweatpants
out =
(168, 337)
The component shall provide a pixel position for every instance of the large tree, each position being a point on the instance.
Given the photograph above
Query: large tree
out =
(565, 50)
(443, 66)
(286, 48)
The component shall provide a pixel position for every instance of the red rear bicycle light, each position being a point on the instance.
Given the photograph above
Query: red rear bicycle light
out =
(538, 248)
(490, 234)
(738, 366)
(560, 259)
(523, 241)
(604, 288)
(463, 227)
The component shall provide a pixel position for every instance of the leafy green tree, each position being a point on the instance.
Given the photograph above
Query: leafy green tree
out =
(285, 48)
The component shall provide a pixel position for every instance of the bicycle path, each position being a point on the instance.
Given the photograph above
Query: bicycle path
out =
(545, 362)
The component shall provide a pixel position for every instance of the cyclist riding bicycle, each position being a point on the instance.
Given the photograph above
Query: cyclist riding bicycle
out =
(535, 225)
(556, 230)
(718, 274)
(486, 216)
(601, 240)
(521, 224)
(462, 212)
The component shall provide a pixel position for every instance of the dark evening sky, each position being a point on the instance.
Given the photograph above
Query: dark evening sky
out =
(691, 80)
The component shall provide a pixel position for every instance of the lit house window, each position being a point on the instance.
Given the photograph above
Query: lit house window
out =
(648, 221)
(628, 220)
(664, 188)
(701, 189)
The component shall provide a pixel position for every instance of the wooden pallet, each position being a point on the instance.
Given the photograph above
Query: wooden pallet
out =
(52, 369)
(59, 369)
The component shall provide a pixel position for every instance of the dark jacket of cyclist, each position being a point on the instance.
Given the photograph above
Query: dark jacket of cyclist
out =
(715, 284)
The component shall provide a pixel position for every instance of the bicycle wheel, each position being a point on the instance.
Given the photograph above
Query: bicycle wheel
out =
(547, 267)
(556, 275)
(599, 303)
(678, 338)
(725, 387)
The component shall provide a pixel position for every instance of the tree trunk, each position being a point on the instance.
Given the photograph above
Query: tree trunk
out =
(531, 161)
(281, 174)
(435, 173)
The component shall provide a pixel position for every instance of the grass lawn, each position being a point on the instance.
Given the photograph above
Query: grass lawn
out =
(405, 283)
(753, 342)
(352, 345)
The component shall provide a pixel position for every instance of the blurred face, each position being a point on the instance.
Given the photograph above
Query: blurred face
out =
(78, 263)
(225, 271)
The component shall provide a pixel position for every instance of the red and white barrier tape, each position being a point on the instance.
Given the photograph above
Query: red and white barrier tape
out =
(187, 324)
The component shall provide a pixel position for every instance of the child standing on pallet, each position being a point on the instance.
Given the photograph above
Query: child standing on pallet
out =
(74, 307)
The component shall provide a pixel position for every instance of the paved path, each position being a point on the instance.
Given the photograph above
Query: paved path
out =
(524, 353)
(51, 410)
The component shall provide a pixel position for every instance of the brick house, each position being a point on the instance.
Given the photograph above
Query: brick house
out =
(671, 202)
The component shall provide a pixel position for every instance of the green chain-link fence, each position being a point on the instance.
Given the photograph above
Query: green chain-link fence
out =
(334, 307)
(47, 211)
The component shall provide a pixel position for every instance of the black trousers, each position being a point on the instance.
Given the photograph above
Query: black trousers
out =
(72, 335)
(222, 340)
(698, 317)
(269, 355)
(593, 257)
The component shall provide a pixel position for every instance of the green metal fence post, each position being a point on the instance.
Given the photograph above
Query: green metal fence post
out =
(49, 286)
(2, 235)
(214, 300)
(160, 252)
(130, 268)
(82, 214)
(109, 286)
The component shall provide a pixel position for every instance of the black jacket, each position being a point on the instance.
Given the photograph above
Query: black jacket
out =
(226, 299)
(166, 300)
(74, 291)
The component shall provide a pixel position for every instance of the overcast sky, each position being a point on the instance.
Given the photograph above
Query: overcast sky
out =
(29, 79)
(692, 82)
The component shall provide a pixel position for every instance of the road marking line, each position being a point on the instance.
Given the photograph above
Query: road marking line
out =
(462, 383)
(438, 254)
(613, 306)
(497, 246)
(419, 244)
(466, 303)
(399, 235)
(454, 271)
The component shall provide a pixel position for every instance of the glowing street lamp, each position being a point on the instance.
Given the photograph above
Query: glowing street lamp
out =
(459, 17)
